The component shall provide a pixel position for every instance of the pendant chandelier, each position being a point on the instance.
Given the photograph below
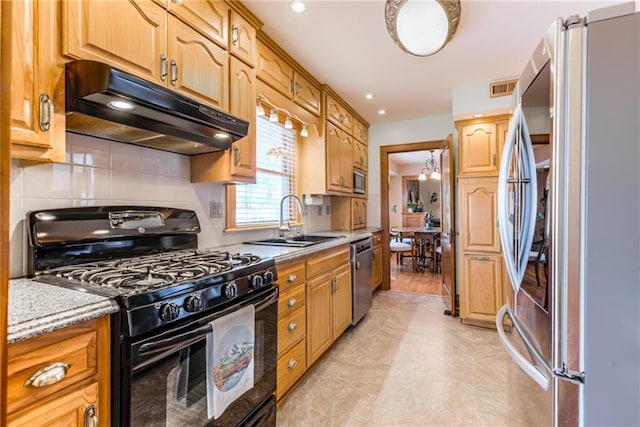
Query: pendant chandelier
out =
(430, 169)
(422, 27)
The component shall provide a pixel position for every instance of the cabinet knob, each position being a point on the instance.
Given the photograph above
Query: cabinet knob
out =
(234, 35)
(292, 326)
(291, 302)
(46, 110)
(163, 67)
(90, 417)
(292, 363)
(292, 278)
(47, 375)
(174, 72)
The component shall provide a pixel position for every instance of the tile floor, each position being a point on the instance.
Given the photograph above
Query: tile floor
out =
(406, 364)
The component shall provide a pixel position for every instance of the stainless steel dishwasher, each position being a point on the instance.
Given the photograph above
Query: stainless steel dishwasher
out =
(361, 277)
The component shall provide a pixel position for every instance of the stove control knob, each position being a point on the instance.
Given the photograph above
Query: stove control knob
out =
(268, 277)
(231, 290)
(169, 311)
(193, 303)
(256, 281)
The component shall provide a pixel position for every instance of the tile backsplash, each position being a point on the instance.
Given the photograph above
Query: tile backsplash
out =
(100, 172)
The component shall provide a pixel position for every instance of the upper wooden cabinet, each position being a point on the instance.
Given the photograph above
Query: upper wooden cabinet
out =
(165, 48)
(209, 17)
(348, 213)
(37, 83)
(337, 114)
(360, 132)
(339, 146)
(242, 39)
(360, 156)
(238, 164)
(281, 76)
(480, 144)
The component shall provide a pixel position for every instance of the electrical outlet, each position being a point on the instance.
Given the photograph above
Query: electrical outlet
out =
(319, 210)
(328, 209)
(215, 209)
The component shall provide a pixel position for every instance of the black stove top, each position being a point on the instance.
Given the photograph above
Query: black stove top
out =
(146, 258)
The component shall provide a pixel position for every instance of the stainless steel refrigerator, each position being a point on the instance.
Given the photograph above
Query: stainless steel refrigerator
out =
(569, 215)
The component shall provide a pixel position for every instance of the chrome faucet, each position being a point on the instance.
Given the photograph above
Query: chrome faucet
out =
(282, 229)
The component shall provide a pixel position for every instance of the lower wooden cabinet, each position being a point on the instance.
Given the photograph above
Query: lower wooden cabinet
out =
(377, 259)
(71, 366)
(292, 330)
(328, 299)
(481, 292)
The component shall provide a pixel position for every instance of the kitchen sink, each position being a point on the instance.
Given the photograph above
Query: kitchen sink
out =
(300, 241)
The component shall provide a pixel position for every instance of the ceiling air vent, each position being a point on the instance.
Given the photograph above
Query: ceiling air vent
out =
(503, 88)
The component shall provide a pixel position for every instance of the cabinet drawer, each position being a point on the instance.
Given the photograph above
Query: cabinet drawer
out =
(290, 367)
(291, 301)
(291, 329)
(75, 346)
(327, 261)
(290, 275)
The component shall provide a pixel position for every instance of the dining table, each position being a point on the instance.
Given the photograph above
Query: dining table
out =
(409, 232)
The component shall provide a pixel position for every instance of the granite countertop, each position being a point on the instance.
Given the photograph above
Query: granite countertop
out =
(36, 308)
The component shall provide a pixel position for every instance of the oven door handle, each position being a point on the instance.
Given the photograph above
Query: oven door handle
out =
(178, 341)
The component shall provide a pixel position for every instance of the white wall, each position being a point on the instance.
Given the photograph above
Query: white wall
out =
(431, 128)
(99, 172)
(471, 99)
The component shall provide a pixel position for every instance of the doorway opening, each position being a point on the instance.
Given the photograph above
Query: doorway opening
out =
(404, 208)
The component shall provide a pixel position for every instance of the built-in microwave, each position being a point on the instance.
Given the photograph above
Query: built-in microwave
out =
(359, 182)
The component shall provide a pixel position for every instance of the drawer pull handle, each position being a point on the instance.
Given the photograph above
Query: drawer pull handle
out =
(163, 67)
(292, 277)
(174, 72)
(48, 375)
(292, 363)
(292, 326)
(292, 301)
(90, 417)
(46, 110)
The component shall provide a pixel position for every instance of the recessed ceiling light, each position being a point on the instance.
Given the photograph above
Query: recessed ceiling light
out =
(382, 112)
(369, 96)
(121, 105)
(478, 115)
(298, 6)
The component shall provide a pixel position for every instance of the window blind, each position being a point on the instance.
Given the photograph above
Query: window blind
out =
(259, 204)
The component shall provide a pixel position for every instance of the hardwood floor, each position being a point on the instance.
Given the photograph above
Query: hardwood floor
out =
(403, 279)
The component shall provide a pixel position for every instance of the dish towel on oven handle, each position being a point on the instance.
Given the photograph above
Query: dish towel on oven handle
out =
(230, 364)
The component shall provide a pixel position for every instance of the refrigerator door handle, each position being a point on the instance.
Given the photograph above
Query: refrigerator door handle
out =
(529, 368)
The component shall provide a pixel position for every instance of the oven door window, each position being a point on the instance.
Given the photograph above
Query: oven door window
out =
(169, 388)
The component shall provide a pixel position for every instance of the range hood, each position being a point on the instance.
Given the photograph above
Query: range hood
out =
(107, 103)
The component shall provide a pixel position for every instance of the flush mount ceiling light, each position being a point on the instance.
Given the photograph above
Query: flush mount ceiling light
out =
(422, 27)
(430, 169)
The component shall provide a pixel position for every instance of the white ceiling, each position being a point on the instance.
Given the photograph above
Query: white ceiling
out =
(346, 44)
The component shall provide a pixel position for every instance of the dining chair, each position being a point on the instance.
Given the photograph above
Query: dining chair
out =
(402, 247)
(423, 251)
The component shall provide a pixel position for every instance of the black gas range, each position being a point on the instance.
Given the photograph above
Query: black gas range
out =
(169, 291)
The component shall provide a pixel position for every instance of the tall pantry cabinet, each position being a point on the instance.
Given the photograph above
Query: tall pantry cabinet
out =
(480, 143)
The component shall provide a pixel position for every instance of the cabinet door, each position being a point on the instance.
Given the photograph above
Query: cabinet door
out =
(273, 70)
(334, 158)
(360, 132)
(198, 67)
(377, 265)
(338, 114)
(37, 84)
(478, 149)
(305, 94)
(478, 203)
(129, 35)
(481, 288)
(209, 17)
(358, 213)
(360, 154)
(319, 316)
(243, 95)
(346, 163)
(66, 410)
(342, 310)
(243, 42)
